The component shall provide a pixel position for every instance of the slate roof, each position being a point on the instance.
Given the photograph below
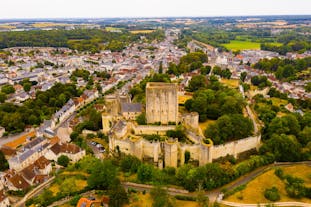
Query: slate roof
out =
(34, 143)
(131, 107)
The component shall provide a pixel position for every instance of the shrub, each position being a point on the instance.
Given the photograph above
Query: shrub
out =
(272, 194)
(185, 198)
(280, 173)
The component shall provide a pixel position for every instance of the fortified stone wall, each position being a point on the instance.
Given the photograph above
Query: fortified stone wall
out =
(236, 147)
(174, 152)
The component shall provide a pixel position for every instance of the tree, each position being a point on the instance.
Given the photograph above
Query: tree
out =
(197, 82)
(2, 97)
(7, 89)
(27, 86)
(103, 174)
(160, 197)
(141, 119)
(144, 173)
(68, 186)
(206, 70)
(117, 195)
(243, 76)
(63, 160)
(284, 125)
(4, 165)
(284, 147)
(272, 194)
(130, 163)
(202, 199)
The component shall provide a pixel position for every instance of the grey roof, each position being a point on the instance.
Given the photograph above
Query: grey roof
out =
(34, 142)
(24, 156)
(131, 107)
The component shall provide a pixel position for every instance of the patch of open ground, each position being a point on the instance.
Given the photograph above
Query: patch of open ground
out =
(230, 82)
(254, 191)
(183, 98)
(141, 200)
(205, 124)
(242, 45)
(278, 101)
(141, 31)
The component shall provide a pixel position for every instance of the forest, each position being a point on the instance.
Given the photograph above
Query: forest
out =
(285, 69)
(92, 40)
(34, 111)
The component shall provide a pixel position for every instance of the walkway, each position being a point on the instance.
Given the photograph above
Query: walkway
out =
(290, 204)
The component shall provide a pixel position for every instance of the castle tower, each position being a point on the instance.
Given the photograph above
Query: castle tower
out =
(161, 103)
(171, 153)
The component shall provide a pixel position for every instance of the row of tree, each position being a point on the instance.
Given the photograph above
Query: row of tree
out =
(285, 69)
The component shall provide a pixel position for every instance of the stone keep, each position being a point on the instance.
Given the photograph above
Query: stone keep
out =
(161, 103)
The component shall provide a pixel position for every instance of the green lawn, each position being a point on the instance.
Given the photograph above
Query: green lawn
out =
(241, 45)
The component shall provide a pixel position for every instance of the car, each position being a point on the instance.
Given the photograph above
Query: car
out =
(99, 145)
(93, 143)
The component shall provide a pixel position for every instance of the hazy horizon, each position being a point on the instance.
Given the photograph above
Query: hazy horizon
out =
(44, 9)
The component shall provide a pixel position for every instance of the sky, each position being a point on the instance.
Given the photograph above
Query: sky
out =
(148, 8)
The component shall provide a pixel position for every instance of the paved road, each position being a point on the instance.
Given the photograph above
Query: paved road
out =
(289, 204)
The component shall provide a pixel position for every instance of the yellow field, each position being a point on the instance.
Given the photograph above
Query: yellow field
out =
(301, 171)
(111, 28)
(80, 184)
(75, 173)
(141, 31)
(205, 124)
(254, 192)
(278, 101)
(140, 200)
(47, 24)
(230, 82)
(182, 99)
(6, 26)
(54, 188)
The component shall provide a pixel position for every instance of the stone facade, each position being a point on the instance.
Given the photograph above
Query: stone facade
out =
(172, 153)
(161, 103)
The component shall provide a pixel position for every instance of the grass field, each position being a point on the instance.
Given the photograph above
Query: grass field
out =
(205, 124)
(242, 45)
(230, 82)
(254, 191)
(278, 101)
(109, 29)
(7, 26)
(47, 24)
(182, 99)
(140, 200)
(141, 31)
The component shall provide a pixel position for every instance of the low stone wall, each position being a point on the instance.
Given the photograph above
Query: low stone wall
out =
(152, 129)
(236, 147)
